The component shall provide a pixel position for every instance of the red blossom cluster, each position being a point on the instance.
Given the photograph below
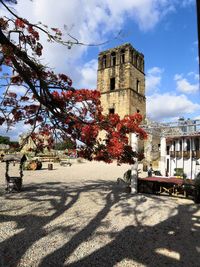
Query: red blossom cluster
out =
(19, 23)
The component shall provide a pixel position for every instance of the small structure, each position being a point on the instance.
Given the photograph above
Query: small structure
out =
(170, 185)
(178, 147)
(13, 182)
(182, 155)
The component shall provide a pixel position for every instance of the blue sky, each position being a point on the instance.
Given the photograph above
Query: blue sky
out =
(165, 31)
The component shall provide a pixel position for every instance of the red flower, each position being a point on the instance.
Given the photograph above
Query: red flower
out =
(19, 23)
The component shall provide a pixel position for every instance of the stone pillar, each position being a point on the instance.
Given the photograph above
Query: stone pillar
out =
(163, 156)
(134, 169)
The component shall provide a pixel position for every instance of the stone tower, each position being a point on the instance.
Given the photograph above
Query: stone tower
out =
(121, 80)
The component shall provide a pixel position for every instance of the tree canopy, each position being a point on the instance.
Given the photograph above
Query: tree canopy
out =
(4, 140)
(49, 103)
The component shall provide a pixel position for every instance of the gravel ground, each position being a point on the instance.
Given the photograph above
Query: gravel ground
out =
(79, 216)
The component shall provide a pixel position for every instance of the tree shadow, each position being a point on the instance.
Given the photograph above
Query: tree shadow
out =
(61, 197)
(173, 242)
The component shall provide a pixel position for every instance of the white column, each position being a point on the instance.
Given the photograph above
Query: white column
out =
(163, 156)
(177, 145)
(193, 148)
(184, 144)
(134, 169)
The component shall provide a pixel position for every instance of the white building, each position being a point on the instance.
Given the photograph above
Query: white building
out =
(177, 145)
(182, 152)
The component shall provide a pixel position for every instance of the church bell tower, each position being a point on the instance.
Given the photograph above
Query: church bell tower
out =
(121, 80)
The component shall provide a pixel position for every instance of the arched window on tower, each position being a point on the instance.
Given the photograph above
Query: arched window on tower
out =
(112, 84)
(122, 56)
(142, 65)
(134, 58)
(137, 61)
(137, 86)
(113, 59)
(104, 61)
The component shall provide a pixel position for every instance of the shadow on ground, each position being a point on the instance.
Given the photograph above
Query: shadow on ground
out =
(173, 242)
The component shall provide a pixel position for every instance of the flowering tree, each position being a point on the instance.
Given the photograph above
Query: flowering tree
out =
(49, 104)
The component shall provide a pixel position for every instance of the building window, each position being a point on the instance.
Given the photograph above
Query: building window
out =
(136, 60)
(188, 145)
(113, 59)
(140, 63)
(180, 144)
(168, 148)
(137, 86)
(112, 84)
(196, 143)
(104, 61)
(111, 111)
(122, 56)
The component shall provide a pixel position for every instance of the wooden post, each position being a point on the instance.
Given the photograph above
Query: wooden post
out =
(50, 166)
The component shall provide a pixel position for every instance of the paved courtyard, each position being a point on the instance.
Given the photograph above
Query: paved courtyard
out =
(79, 216)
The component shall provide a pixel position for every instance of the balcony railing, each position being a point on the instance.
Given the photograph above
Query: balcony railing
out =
(178, 154)
(186, 154)
(196, 154)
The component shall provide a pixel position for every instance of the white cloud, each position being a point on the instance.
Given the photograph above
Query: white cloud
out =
(178, 77)
(20, 90)
(15, 131)
(194, 75)
(88, 74)
(184, 86)
(90, 21)
(169, 106)
(153, 79)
